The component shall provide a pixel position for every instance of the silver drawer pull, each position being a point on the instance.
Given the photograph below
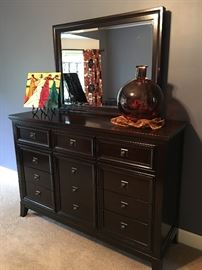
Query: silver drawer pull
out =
(124, 184)
(74, 188)
(124, 204)
(124, 152)
(75, 206)
(37, 193)
(36, 177)
(32, 135)
(123, 225)
(35, 160)
(73, 170)
(72, 142)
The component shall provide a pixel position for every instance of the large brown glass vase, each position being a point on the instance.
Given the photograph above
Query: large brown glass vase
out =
(141, 98)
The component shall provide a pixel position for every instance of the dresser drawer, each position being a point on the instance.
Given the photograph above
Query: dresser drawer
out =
(66, 142)
(133, 153)
(126, 182)
(76, 173)
(39, 194)
(37, 161)
(31, 135)
(127, 206)
(78, 205)
(38, 177)
(126, 228)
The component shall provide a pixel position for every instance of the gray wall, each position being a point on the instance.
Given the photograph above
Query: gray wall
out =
(126, 48)
(26, 45)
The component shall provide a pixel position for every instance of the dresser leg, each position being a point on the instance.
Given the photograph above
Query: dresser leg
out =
(157, 264)
(23, 210)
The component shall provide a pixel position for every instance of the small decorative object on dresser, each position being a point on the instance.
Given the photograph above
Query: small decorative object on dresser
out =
(140, 101)
(140, 98)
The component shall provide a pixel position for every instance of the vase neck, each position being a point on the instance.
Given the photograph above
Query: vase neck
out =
(141, 72)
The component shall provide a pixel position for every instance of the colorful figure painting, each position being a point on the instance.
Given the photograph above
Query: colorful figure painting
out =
(42, 90)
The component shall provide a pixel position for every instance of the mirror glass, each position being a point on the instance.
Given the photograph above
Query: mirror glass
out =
(99, 56)
(105, 59)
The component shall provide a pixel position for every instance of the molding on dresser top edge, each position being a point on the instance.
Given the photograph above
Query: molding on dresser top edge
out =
(184, 237)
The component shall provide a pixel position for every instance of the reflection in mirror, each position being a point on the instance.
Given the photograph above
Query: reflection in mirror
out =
(105, 59)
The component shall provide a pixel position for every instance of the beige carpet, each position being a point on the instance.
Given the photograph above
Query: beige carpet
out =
(38, 243)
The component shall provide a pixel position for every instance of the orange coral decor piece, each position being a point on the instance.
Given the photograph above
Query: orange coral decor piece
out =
(124, 121)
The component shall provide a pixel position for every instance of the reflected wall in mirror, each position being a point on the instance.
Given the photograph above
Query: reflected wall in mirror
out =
(102, 54)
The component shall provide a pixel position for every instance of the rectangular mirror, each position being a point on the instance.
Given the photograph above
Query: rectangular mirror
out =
(98, 56)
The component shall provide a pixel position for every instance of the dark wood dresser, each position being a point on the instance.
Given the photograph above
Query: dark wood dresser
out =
(118, 185)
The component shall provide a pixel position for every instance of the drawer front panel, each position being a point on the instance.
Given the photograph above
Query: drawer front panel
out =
(36, 160)
(77, 205)
(38, 177)
(78, 174)
(127, 206)
(128, 183)
(39, 194)
(33, 136)
(73, 144)
(126, 228)
(137, 154)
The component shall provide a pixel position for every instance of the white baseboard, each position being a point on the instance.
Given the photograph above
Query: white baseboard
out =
(8, 175)
(4, 170)
(190, 239)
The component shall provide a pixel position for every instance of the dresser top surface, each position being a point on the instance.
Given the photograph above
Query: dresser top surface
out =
(100, 123)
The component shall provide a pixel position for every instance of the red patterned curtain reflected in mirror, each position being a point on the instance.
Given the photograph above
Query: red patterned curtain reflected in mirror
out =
(93, 76)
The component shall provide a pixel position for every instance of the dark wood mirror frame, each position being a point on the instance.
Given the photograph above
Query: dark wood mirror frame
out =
(154, 15)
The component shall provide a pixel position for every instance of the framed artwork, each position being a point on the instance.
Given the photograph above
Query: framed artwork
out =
(42, 90)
